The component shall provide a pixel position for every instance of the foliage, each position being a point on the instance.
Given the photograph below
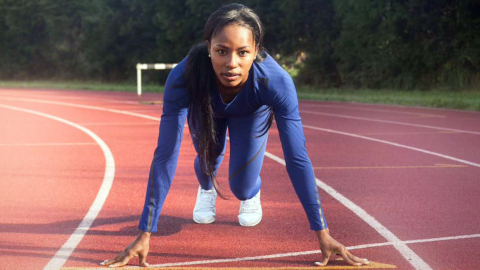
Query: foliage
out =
(408, 44)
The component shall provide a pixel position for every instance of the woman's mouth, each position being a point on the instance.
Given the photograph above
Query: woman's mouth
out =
(231, 76)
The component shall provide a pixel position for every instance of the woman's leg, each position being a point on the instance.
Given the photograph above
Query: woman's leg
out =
(204, 211)
(205, 181)
(247, 150)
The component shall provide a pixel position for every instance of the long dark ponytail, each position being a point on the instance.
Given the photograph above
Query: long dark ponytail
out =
(200, 82)
(200, 79)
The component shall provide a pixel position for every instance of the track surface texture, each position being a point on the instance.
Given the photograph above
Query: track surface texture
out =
(399, 186)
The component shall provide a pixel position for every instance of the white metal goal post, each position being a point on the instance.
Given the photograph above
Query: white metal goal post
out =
(141, 67)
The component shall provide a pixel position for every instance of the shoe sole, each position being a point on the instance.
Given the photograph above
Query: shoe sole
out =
(203, 221)
(249, 224)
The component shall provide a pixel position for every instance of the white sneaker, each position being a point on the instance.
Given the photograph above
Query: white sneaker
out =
(250, 211)
(204, 211)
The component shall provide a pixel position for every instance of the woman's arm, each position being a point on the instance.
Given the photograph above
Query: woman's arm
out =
(160, 179)
(162, 169)
(165, 158)
(300, 170)
(299, 167)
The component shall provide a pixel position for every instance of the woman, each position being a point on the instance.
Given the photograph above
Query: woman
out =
(230, 82)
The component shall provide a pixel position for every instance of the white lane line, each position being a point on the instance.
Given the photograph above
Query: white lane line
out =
(419, 107)
(120, 124)
(400, 106)
(140, 102)
(406, 252)
(69, 246)
(390, 122)
(447, 166)
(75, 98)
(41, 96)
(84, 107)
(310, 252)
(395, 144)
(46, 144)
(409, 133)
(374, 110)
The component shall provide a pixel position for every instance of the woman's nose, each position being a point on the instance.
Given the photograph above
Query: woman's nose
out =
(232, 61)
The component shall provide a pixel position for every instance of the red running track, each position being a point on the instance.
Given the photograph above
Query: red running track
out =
(414, 170)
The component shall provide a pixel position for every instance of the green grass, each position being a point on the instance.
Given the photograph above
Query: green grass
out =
(83, 85)
(464, 100)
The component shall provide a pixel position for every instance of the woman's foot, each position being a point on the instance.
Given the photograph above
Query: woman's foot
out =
(204, 211)
(250, 211)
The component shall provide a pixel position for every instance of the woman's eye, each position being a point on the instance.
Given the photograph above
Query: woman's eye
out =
(243, 53)
(221, 52)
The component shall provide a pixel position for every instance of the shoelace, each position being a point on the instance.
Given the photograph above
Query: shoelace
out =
(249, 206)
(206, 200)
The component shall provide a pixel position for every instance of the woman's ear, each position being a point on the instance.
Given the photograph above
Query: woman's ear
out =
(208, 47)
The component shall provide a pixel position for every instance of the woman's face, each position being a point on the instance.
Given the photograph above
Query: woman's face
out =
(232, 51)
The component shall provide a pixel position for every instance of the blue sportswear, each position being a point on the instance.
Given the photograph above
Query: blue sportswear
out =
(268, 85)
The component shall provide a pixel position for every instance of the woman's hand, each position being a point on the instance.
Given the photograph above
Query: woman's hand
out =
(330, 247)
(138, 248)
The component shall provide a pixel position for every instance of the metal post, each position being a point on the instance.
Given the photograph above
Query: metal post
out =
(139, 81)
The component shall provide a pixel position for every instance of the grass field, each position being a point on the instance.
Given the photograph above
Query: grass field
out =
(463, 100)
(82, 85)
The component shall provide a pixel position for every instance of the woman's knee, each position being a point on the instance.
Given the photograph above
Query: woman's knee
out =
(240, 194)
(243, 190)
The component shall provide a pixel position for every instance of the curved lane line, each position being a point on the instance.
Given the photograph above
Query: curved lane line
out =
(302, 111)
(390, 122)
(83, 107)
(373, 110)
(405, 251)
(420, 107)
(69, 246)
(395, 144)
(398, 106)
(46, 144)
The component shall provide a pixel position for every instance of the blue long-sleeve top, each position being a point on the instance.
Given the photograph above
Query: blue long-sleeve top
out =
(268, 84)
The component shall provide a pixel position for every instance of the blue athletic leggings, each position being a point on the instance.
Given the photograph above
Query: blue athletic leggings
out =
(247, 150)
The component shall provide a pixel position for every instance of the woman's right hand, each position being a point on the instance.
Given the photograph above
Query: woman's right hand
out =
(138, 248)
(330, 247)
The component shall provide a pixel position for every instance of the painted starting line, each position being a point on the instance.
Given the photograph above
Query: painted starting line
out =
(372, 265)
(291, 254)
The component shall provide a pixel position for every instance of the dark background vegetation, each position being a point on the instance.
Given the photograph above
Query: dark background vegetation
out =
(397, 44)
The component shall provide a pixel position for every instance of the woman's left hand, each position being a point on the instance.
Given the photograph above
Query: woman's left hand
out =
(330, 247)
